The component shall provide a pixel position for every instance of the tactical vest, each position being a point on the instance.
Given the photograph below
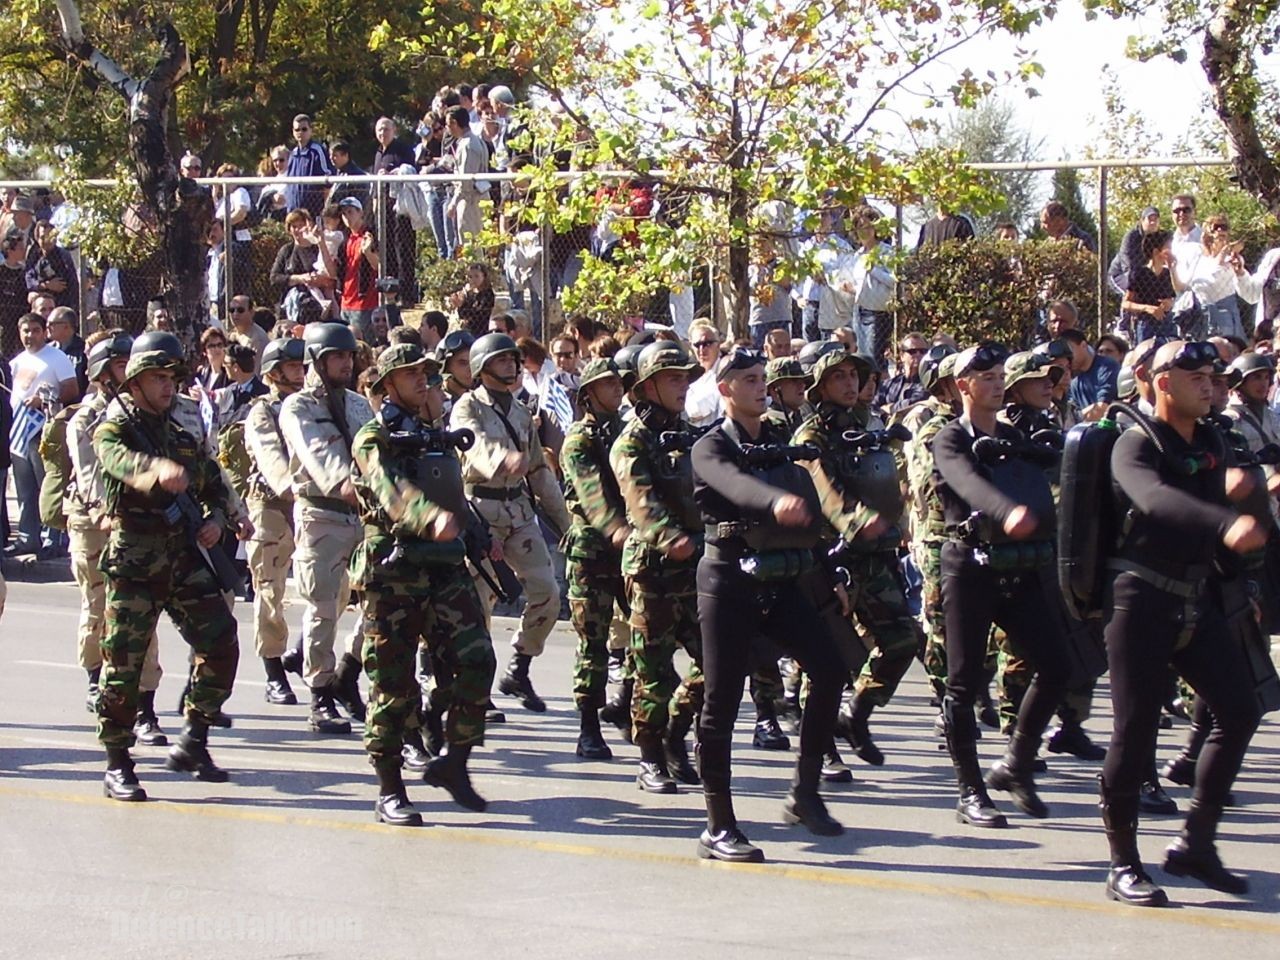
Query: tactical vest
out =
(671, 465)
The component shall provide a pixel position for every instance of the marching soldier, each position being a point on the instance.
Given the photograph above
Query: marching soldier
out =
(509, 481)
(154, 561)
(659, 561)
(270, 504)
(318, 424)
(594, 542)
(862, 501)
(415, 587)
(786, 381)
(453, 354)
(88, 527)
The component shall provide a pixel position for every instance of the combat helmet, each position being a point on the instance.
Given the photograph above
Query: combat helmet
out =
(488, 347)
(104, 351)
(155, 350)
(322, 338)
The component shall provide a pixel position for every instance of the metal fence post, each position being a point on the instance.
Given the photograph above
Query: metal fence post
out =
(228, 260)
(1102, 246)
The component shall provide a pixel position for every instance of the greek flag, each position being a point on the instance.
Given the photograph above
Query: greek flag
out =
(555, 400)
(27, 424)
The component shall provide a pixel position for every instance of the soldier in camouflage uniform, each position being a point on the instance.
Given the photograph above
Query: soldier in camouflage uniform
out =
(88, 526)
(270, 504)
(415, 587)
(318, 424)
(505, 473)
(593, 545)
(151, 565)
(864, 515)
(659, 561)
(786, 382)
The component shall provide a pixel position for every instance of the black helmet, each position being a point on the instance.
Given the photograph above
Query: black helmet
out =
(625, 360)
(282, 351)
(322, 338)
(488, 347)
(453, 343)
(929, 375)
(104, 351)
(155, 350)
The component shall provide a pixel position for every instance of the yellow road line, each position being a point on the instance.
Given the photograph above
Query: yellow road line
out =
(826, 876)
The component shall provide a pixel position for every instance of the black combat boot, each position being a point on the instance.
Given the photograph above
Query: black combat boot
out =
(834, 769)
(392, 806)
(1182, 768)
(1014, 774)
(591, 745)
(414, 752)
(768, 735)
(278, 690)
(1195, 855)
(450, 773)
(324, 714)
(191, 753)
(618, 710)
(987, 712)
(975, 807)
(146, 725)
(346, 687)
(851, 723)
(1127, 881)
(804, 805)
(516, 683)
(120, 782)
(292, 660)
(1070, 738)
(676, 753)
(653, 776)
(94, 690)
(722, 840)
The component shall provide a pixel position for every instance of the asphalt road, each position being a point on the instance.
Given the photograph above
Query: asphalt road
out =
(570, 860)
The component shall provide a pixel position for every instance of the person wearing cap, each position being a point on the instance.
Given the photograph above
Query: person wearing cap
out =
(88, 525)
(1130, 252)
(270, 503)
(357, 265)
(593, 544)
(512, 486)
(1165, 607)
(997, 567)
(763, 552)
(659, 562)
(23, 217)
(786, 382)
(415, 588)
(318, 424)
(150, 564)
(863, 508)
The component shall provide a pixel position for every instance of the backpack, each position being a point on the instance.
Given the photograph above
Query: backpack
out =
(58, 470)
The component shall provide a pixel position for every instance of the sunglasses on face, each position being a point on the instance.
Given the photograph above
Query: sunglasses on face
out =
(301, 129)
(706, 343)
(1191, 356)
(1178, 210)
(214, 345)
(239, 309)
(915, 351)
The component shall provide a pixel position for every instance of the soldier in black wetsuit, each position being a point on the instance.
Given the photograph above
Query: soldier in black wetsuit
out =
(1180, 531)
(762, 521)
(997, 566)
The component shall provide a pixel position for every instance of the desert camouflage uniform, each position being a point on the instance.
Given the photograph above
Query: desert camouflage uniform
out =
(593, 564)
(658, 490)
(876, 594)
(270, 505)
(503, 500)
(414, 590)
(151, 565)
(85, 507)
(326, 528)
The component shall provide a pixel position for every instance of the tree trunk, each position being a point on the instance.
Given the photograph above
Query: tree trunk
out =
(182, 208)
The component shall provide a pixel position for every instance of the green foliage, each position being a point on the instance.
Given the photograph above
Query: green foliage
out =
(103, 231)
(1066, 190)
(990, 134)
(438, 278)
(994, 289)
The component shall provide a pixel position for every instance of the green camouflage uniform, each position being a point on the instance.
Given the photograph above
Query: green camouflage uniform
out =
(876, 594)
(151, 565)
(592, 563)
(658, 490)
(413, 589)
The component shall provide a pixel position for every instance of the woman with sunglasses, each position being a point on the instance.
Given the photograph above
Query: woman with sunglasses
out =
(211, 371)
(1217, 276)
(1166, 606)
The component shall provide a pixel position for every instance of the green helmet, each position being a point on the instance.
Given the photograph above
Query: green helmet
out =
(282, 351)
(488, 347)
(947, 366)
(600, 368)
(1029, 365)
(399, 356)
(155, 350)
(783, 368)
(662, 355)
(104, 351)
(810, 353)
(931, 365)
(1246, 364)
(828, 362)
(322, 338)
